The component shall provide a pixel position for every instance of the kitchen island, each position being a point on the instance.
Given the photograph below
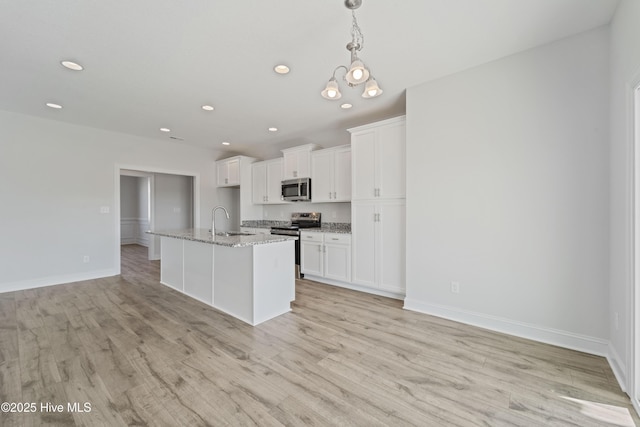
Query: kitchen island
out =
(250, 277)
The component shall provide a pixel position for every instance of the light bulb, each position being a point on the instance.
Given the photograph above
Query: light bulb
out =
(331, 93)
(357, 74)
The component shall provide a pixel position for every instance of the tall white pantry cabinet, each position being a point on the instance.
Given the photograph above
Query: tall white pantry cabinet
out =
(378, 205)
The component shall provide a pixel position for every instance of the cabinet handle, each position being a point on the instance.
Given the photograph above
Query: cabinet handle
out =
(295, 174)
(226, 180)
(329, 194)
(334, 238)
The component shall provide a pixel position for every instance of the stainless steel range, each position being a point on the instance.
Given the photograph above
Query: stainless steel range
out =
(299, 221)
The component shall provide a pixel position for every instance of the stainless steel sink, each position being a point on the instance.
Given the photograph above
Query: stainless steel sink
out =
(233, 233)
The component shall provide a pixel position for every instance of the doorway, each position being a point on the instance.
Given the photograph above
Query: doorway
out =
(153, 199)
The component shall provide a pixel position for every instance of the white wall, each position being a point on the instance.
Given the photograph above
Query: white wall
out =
(55, 177)
(625, 73)
(507, 194)
(173, 202)
(129, 195)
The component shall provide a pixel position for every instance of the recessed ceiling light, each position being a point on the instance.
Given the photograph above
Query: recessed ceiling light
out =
(207, 107)
(165, 130)
(226, 143)
(281, 69)
(72, 65)
(346, 106)
(52, 105)
(272, 129)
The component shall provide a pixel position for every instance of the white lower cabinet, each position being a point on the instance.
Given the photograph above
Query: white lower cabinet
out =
(326, 255)
(378, 244)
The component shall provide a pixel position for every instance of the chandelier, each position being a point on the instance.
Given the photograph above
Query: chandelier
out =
(356, 73)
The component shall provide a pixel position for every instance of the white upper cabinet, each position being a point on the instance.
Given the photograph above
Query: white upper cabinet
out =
(297, 161)
(331, 175)
(228, 172)
(379, 159)
(267, 182)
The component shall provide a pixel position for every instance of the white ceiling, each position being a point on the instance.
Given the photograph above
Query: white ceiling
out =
(153, 63)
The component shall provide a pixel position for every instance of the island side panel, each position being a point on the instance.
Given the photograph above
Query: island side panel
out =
(171, 263)
(274, 280)
(233, 281)
(198, 271)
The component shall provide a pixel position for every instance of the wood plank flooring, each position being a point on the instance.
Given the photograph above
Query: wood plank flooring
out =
(142, 354)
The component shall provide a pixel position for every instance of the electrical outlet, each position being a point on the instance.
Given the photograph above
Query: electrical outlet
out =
(104, 209)
(86, 259)
(455, 287)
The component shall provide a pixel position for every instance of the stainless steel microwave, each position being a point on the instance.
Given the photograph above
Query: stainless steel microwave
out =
(297, 190)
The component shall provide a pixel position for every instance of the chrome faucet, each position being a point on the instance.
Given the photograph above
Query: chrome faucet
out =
(213, 218)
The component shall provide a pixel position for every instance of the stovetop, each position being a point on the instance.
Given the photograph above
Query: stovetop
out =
(302, 220)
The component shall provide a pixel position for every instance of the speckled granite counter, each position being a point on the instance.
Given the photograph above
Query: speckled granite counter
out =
(325, 229)
(204, 235)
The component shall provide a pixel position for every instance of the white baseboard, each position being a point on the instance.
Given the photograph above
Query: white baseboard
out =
(354, 287)
(55, 280)
(570, 340)
(618, 367)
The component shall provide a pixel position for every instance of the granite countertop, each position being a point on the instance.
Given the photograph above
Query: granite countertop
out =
(327, 227)
(204, 235)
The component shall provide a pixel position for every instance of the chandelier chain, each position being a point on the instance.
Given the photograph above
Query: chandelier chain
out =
(356, 34)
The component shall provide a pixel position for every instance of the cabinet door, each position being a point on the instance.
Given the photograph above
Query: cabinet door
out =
(337, 261)
(304, 164)
(290, 165)
(390, 246)
(391, 161)
(259, 183)
(364, 165)
(363, 243)
(322, 176)
(311, 258)
(233, 172)
(342, 175)
(274, 181)
(222, 174)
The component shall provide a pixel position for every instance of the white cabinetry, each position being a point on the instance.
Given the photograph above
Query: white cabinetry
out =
(267, 182)
(228, 172)
(378, 207)
(326, 255)
(379, 159)
(297, 161)
(331, 175)
(378, 230)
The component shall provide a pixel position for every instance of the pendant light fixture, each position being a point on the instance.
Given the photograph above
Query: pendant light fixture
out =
(357, 73)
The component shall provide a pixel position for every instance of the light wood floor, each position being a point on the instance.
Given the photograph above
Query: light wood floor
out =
(142, 354)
